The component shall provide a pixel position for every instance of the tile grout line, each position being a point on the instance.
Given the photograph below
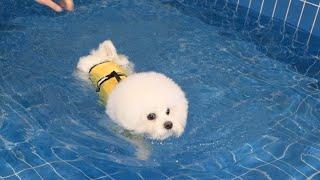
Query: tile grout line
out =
(260, 12)
(285, 19)
(249, 6)
(288, 9)
(313, 23)
(295, 34)
(237, 5)
(309, 3)
(215, 3)
(274, 9)
(301, 13)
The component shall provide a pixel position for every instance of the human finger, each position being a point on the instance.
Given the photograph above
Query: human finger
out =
(67, 4)
(50, 4)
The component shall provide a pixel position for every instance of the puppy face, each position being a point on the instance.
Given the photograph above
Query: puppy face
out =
(150, 104)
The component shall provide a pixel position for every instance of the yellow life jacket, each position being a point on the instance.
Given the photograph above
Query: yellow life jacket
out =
(105, 76)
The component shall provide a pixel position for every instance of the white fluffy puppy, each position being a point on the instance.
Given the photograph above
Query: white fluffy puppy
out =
(146, 103)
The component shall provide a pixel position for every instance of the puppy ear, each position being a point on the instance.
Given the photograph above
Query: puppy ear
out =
(105, 51)
(109, 50)
(120, 59)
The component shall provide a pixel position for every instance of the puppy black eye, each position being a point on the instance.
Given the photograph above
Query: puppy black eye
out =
(152, 116)
(168, 111)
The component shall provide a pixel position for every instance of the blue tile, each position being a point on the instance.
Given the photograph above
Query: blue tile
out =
(237, 170)
(306, 23)
(89, 169)
(317, 176)
(288, 168)
(314, 1)
(254, 175)
(316, 28)
(244, 3)
(30, 174)
(15, 177)
(296, 150)
(151, 173)
(65, 153)
(251, 162)
(11, 160)
(47, 172)
(233, 1)
(268, 7)
(311, 160)
(294, 12)
(68, 171)
(126, 175)
(220, 3)
(256, 5)
(308, 17)
(276, 148)
(281, 9)
(5, 169)
(274, 172)
(290, 29)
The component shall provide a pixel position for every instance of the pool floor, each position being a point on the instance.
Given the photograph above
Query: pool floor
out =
(251, 114)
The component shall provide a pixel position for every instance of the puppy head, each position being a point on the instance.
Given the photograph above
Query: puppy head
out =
(149, 103)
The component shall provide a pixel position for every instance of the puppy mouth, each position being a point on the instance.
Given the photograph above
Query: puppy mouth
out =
(163, 136)
(170, 133)
(176, 134)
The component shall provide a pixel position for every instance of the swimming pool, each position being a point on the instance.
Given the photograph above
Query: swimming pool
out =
(253, 94)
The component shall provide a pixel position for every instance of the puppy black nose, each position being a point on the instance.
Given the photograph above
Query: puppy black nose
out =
(168, 125)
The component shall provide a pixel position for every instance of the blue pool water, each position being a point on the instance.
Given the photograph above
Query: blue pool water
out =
(254, 94)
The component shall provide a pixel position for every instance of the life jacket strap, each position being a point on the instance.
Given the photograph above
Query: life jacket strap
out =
(104, 79)
(97, 65)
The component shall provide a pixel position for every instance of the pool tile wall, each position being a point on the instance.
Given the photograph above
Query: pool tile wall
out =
(303, 14)
(299, 17)
(276, 39)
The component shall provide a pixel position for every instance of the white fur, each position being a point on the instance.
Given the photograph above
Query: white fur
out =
(140, 94)
(105, 51)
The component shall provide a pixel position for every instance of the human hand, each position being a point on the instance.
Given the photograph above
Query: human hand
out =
(64, 4)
